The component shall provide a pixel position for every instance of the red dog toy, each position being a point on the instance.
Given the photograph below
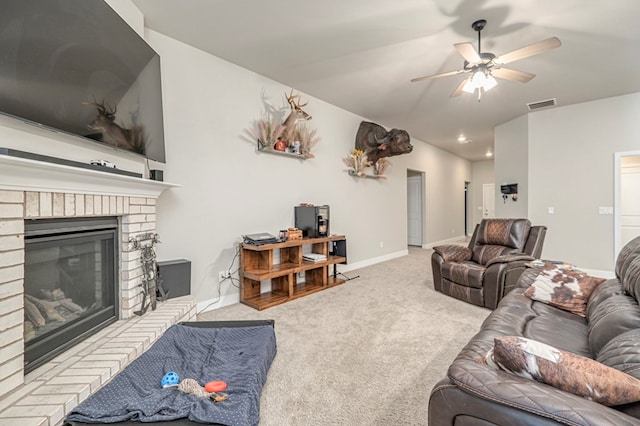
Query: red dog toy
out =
(216, 386)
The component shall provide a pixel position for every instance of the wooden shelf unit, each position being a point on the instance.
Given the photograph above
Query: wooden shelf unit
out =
(257, 265)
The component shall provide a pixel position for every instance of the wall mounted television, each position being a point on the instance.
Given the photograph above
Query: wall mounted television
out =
(77, 67)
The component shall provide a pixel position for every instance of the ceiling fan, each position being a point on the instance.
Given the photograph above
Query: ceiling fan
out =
(484, 67)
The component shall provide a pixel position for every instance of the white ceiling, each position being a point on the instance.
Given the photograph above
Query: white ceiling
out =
(361, 54)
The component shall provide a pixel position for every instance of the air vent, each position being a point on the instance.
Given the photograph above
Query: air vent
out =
(541, 104)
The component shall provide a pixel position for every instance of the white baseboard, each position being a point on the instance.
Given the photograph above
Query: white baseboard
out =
(231, 299)
(211, 304)
(357, 265)
(447, 241)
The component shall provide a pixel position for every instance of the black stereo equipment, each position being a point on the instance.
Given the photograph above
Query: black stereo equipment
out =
(176, 277)
(312, 220)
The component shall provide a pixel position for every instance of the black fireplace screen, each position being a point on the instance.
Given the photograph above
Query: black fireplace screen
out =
(70, 283)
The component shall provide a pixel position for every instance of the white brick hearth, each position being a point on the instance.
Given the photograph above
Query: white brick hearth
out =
(32, 190)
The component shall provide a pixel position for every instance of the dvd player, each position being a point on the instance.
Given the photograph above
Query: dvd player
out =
(260, 239)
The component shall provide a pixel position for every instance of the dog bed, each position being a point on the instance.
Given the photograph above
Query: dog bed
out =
(238, 352)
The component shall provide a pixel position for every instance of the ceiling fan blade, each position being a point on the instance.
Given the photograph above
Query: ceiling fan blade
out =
(468, 52)
(458, 90)
(513, 75)
(443, 74)
(525, 52)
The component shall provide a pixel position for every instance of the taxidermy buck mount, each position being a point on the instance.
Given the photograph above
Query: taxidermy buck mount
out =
(111, 133)
(289, 134)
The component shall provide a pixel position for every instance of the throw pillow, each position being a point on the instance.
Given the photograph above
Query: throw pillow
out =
(566, 371)
(564, 288)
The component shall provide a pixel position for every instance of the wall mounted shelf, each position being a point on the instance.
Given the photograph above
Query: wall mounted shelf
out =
(284, 153)
(354, 174)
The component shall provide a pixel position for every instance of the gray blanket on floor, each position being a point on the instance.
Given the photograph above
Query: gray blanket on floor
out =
(240, 356)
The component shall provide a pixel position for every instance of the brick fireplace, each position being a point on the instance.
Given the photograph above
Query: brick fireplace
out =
(32, 189)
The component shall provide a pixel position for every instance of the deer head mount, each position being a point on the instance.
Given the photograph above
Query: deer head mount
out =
(297, 114)
(131, 139)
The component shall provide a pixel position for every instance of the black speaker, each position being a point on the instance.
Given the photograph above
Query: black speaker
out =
(339, 248)
(176, 277)
(157, 175)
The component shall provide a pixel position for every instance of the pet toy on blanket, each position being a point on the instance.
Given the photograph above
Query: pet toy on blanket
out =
(191, 386)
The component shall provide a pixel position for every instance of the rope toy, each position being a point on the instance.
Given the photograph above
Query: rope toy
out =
(191, 386)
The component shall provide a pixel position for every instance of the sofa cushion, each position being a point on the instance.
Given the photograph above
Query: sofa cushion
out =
(631, 278)
(559, 328)
(610, 316)
(629, 252)
(622, 353)
(563, 288)
(504, 232)
(467, 274)
(564, 370)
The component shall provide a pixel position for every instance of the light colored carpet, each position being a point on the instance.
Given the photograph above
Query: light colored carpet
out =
(366, 352)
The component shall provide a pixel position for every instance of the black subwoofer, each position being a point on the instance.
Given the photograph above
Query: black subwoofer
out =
(176, 277)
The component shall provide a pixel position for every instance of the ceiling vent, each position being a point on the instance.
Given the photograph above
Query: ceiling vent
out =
(541, 104)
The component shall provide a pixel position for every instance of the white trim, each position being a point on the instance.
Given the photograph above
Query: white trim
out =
(357, 265)
(617, 219)
(211, 304)
(447, 241)
(24, 174)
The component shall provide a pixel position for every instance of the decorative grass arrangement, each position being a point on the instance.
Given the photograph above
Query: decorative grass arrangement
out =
(356, 162)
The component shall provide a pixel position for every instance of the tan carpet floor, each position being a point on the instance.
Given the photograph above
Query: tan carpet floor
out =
(366, 352)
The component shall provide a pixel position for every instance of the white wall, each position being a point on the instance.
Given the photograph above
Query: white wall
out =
(228, 189)
(482, 173)
(571, 168)
(511, 151)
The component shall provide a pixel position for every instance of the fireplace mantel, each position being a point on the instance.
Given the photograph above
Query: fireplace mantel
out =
(24, 174)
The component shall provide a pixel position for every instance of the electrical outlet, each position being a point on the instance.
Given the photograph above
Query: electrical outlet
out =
(381, 244)
(223, 275)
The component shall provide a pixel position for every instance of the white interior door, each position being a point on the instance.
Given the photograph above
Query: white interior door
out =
(488, 200)
(629, 202)
(414, 210)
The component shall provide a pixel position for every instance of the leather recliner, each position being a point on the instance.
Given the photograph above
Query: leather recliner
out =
(485, 271)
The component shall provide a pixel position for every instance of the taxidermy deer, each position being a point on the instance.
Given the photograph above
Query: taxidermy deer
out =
(113, 134)
(296, 114)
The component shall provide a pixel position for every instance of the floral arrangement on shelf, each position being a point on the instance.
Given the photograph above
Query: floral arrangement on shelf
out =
(308, 139)
(380, 166)
(356, 162)
(267, 132)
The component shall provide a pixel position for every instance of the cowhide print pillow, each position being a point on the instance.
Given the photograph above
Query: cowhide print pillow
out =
(566, 371)
(564, 288)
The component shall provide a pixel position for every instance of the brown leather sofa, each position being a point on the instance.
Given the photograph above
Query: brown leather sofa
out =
(490, 266)
(474, 393)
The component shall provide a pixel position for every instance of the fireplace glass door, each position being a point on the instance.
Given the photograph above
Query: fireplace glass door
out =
(70, 283)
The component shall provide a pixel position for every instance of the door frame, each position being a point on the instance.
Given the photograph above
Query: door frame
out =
(617, 216)
(420, 203)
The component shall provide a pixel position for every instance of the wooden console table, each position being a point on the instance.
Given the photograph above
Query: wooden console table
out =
(257, 265)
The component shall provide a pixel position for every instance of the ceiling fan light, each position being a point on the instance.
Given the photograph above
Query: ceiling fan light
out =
(469, 87)
(489, 83)
(478, 79)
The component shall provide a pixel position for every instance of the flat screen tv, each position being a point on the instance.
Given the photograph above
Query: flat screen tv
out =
(76, 66)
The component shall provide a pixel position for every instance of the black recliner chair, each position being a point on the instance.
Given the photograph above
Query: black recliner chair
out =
(490, 266)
